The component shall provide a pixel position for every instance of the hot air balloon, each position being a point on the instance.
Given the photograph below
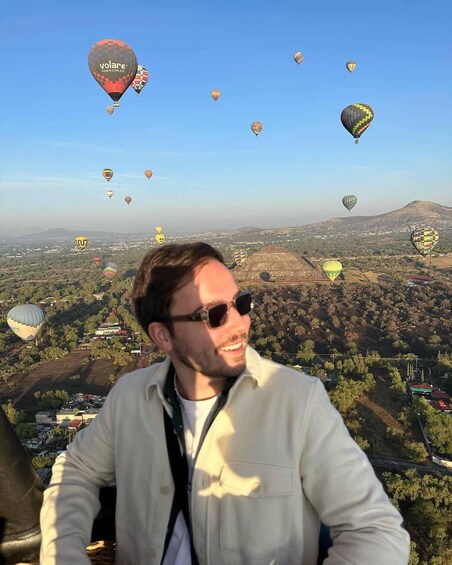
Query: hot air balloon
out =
(114, 65)
(109, 269)
(239, 256)
(298, 57)
(25, 320)
(148, 173)
(110, 110)
(128, 199)
(349, 201)
(332, 269)
(424, 239)
(81, 242)
(107, 174)
(356, 118)
(256, 127)
(216, 94)
(109, 193)
(97, 260)
(140, 80)
(159, 238)
(351, 66)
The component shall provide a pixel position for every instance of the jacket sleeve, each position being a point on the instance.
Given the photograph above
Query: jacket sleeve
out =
(71, 502)
(345, 492)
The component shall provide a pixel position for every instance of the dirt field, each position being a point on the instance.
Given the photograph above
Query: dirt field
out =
(55, 374)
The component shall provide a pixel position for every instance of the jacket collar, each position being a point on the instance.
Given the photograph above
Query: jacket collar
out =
(158, 377)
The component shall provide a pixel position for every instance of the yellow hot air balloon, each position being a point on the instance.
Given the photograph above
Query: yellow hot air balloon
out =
(81, 242)
(25, 320)
(159, 237)
(110, 110)
(351, 66)
(109, 193)
(298, 57)
(332, 269)
(216, 94)
(256, 127)
(148, 173)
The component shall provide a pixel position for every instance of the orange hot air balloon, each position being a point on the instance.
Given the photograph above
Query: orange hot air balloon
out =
(216, 94)
(128, 199)
(114, 65)
(148, 173)
(110, 110)
(256, 127)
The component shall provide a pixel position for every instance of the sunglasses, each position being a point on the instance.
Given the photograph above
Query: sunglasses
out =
(216, 316)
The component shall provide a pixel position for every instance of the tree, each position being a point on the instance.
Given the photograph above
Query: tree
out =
(439, 429)
(14, 415)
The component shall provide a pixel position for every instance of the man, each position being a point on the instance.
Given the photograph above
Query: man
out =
(265, 455)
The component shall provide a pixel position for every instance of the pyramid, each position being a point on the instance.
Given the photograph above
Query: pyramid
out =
(277, 264)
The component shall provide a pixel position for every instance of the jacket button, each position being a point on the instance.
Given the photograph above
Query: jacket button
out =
(152, 553)
(165, 489)
(256, 487)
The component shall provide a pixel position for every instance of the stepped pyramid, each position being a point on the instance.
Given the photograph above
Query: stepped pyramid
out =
(277, 264)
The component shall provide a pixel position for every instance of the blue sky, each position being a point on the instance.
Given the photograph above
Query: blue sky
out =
(210, 171)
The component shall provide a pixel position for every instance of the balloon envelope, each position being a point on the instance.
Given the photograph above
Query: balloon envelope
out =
(256, 127)
(109, 269)
(97, 260)
(110, 110)
(148, 173)
(107, 174)
(128, 199)
(140, 79)
(356, 118)
(424, 239)
(349, 201)
(351, 66)
(25, 320)
(298, 57)
(332, 269)
(109, 193)
(81, 241)
(114, 65)
(239, 256)
(216, 94)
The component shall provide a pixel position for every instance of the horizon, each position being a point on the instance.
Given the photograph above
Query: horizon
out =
(209, 169)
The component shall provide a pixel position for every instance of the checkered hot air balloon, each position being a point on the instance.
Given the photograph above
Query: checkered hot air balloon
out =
(140, 80)
(239, 256)
(114, 65)
(256, 127)
(424, 239)
(356, 118)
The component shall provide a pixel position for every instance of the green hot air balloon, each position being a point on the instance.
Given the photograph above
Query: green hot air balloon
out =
(356, 118)
(349, 201)
(25, 320)
(424, 239)
(332, 269)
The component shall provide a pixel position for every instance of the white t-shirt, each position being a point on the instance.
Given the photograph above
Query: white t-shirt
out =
(194, 415)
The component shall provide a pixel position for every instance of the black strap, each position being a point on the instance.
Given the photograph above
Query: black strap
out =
(179, 470)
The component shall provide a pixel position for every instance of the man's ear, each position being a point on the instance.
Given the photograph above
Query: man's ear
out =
(161, 336)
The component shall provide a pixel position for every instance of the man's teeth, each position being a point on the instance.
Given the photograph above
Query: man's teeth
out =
(232, 347)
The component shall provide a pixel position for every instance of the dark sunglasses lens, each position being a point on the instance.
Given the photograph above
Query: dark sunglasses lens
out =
(243, 303)
(218, 315)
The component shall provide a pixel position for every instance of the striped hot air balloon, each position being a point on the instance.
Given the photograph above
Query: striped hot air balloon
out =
(332, 269)
(349, 201)
(356, 118)
(298, 57)
(107, 174)
(25, 320)
(109, 269)
(424, 239)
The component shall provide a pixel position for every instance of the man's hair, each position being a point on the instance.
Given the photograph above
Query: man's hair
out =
(162, 272)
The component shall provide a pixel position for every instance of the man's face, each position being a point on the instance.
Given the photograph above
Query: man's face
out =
(213, 352)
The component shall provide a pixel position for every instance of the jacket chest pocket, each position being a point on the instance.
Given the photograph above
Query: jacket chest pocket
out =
(255, 508)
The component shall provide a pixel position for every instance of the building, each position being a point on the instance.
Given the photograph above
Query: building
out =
(424, 389)
(43, 417)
